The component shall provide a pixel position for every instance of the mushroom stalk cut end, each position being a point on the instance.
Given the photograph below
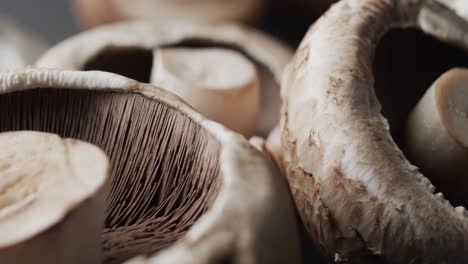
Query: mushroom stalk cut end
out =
(221, 84)
(436, 136)
(52, 199)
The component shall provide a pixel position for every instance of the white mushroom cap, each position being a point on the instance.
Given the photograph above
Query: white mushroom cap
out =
(358, 196)
(51, 199)
(246, 215)
(112, 48)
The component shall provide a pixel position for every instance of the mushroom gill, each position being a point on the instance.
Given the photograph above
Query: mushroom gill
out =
(165, 166)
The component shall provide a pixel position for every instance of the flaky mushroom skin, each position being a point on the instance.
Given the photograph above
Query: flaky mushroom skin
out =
(80, 52)
(359, 197)
(252, 218)
(44, 232)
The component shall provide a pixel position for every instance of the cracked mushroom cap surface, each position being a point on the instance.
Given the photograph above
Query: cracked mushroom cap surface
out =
(182, 186)
(360, 199)
(111, 48)
(52, 199)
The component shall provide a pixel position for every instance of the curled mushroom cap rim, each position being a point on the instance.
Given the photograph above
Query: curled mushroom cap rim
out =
(243, 169)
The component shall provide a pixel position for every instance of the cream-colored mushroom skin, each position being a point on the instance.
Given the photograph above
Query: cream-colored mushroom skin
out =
(359, 197)
(52, 199)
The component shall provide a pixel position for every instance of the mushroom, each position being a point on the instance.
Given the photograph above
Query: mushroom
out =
(436, 134)
(360, 199)
(95, 12)
(182, 186)
(168, 56)
(52, 199)
(18, 48)
(220, 83)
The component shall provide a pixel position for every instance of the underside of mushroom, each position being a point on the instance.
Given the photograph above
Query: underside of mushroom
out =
(169, 57)
(52, 199)
(171, 168)
(348, 94)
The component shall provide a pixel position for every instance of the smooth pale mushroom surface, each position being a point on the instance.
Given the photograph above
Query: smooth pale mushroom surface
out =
(348, 94)
(138, 56)
(18, 47)
(95, 12)
(52, 199)
(220, 83)
(171, 168)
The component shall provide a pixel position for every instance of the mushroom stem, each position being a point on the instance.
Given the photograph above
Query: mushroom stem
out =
(219, 83)
(436, 137)
(52, 199)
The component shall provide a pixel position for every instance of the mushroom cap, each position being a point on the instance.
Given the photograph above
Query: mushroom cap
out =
(95, 12)
(359, 197)
(105, 47)
(251, 215)
(18, 48)
(49, 186)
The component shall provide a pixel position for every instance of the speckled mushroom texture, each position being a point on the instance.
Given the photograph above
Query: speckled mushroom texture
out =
(182, 186)
(133, 49)
(18, 48)
(52, 199)
(360, 199)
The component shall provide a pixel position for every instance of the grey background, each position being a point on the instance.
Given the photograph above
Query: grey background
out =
(51, 19)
